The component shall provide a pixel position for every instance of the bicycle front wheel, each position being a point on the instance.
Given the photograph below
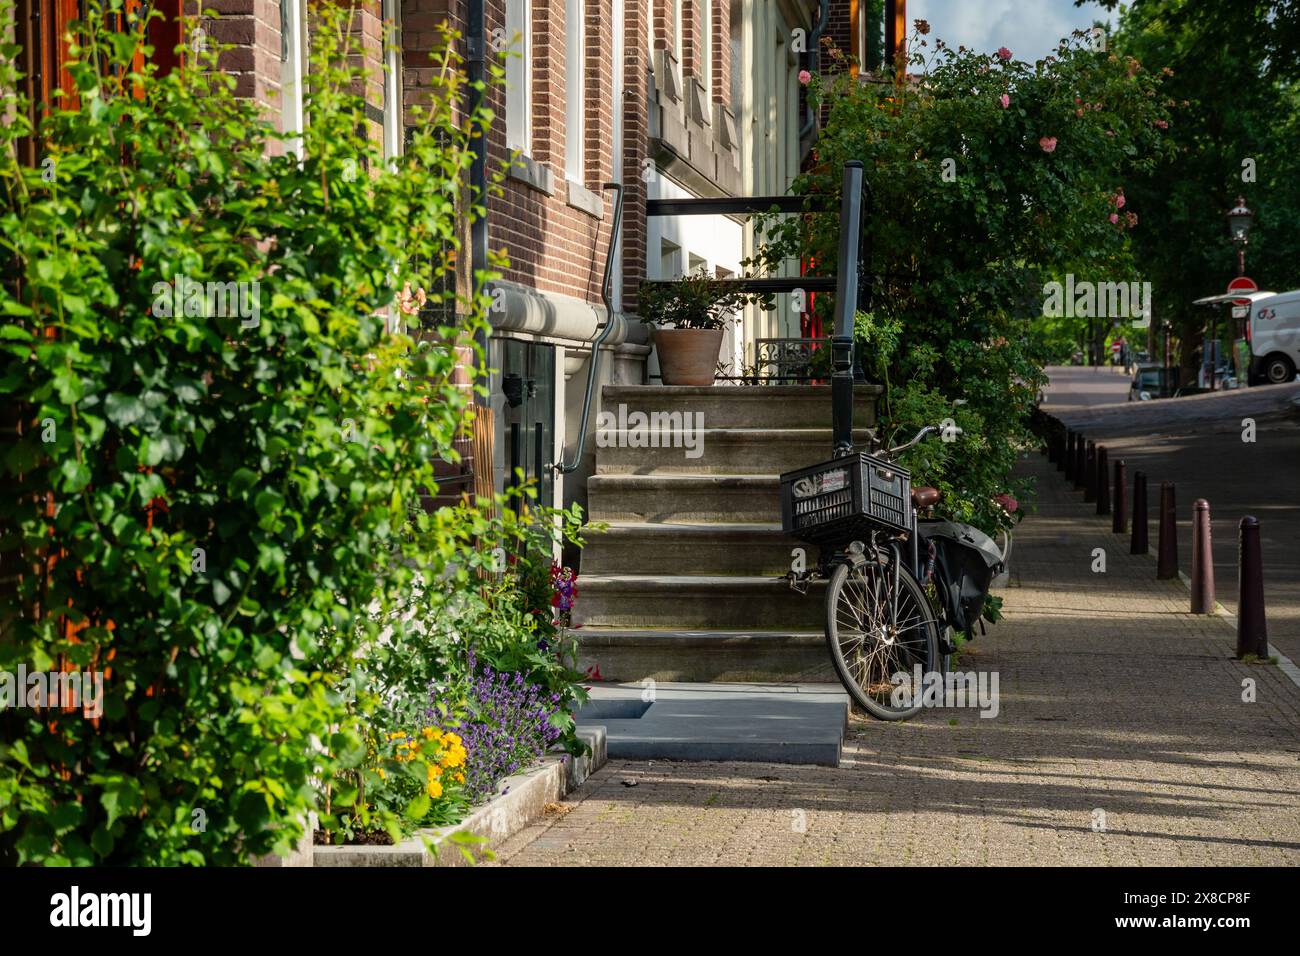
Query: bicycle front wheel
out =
(878, 626)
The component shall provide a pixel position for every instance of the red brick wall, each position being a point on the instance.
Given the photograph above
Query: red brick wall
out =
(692, 37)
(722, 51)
(253, 26)
(665, 25)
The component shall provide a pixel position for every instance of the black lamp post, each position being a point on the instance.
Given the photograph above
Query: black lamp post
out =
(1239, 222)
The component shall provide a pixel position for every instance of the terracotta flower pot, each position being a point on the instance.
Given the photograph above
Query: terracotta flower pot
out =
(688, 356)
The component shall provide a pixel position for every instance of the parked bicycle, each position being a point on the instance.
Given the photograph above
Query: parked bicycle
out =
(898, 589)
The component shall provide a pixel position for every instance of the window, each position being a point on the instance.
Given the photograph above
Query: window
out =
(574, 90)
(293, 71)
(519, 67)
(670, 260)
(393, 80)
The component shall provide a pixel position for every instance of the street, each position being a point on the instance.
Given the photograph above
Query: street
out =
(1196, 442)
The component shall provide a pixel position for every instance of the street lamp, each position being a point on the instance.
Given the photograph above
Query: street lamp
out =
(1239, 220)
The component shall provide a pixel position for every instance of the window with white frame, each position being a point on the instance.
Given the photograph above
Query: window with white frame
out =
(575, 88)
(293, 14)
(519, 69)
(393, 125)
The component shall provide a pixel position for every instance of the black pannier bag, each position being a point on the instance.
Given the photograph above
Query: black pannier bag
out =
(966, 560)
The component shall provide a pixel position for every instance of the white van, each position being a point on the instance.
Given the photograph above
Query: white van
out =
(1273, 332)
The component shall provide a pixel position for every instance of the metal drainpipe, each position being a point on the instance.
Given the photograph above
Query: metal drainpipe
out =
(476, 43)
(815, 59)
(572, 466)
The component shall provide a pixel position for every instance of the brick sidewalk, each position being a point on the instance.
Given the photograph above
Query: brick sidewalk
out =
(1113, 699)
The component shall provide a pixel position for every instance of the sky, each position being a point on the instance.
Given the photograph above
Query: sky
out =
(1031, 29)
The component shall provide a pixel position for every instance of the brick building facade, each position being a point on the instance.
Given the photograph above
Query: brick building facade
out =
(668, 98)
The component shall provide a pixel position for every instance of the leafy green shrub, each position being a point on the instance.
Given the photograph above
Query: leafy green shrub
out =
(212, 504)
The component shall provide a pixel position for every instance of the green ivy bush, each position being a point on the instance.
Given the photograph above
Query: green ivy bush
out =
(988, 177)
(214, 505)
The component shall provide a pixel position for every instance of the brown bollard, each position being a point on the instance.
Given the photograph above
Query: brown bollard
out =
(1070, 439)
(1080, 457)
(1119, 519)
(1101, 481)
(1138, 544)
(1090, 472)
(1202, 559)
(1051, 440)
(1060, 447)
(1252, 632)
(1167, 549)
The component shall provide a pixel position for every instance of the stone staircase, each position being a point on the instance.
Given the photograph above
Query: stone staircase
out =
(685, 585)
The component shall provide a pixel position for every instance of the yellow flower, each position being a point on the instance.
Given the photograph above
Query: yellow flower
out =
(434, 771)
(382, 775)
(428, 733)
(435, 789)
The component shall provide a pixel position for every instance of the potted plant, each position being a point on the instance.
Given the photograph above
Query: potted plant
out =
(689, 316)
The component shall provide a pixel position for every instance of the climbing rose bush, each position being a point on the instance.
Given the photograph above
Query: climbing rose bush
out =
(988, 176)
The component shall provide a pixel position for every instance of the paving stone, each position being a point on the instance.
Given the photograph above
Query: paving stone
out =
(1113, 699)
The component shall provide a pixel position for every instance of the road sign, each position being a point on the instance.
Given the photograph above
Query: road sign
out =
(1116, 346)
(1242, 284)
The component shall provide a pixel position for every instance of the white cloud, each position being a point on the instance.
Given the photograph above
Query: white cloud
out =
(1031, 29)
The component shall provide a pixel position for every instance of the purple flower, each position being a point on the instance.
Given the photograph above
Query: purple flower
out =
(509, 727)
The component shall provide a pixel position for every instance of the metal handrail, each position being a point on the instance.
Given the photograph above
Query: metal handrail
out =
(605, 292)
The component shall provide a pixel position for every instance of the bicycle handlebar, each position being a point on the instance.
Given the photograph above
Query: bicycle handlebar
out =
(916, 440)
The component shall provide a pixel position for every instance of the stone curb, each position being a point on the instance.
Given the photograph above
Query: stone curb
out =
(523, 800)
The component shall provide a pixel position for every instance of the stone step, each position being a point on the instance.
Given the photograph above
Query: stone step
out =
(800, 723)
(761, 550)
(732, 451)
(697, 602)
(684, 498)
(662, 654)
(747, 406)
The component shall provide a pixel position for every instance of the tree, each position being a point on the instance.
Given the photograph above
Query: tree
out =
(1235, 125)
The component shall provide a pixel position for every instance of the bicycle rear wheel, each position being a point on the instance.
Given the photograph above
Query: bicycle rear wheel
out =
(879, 625)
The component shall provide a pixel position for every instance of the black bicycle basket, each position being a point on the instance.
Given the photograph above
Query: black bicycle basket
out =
(845, 499)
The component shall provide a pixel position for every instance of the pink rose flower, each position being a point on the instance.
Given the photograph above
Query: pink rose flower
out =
(1114, 218)
(1009, 504)
(1004, 54)
(804, 77)
(1005, 100)
(1132, 218)
(1120, 200)
(1048, 143)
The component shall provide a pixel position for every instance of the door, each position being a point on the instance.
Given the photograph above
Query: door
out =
(523, 391)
